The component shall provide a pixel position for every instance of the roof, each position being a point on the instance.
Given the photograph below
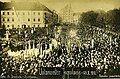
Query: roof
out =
(67, 8)
(25, 6)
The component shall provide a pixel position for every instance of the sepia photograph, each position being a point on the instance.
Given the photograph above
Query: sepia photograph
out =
(59, 39)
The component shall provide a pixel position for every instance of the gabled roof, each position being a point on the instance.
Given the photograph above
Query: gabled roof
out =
(25, 6)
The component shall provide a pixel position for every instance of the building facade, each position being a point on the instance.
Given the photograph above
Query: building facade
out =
(21, 15)
(76, 17)
(67, 15)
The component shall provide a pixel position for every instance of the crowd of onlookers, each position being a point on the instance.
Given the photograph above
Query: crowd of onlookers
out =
(104, 56)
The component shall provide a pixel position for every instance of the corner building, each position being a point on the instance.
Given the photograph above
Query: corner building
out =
(21, 15)
(66, 14)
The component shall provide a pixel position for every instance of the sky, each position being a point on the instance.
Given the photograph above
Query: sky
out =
(77, 5)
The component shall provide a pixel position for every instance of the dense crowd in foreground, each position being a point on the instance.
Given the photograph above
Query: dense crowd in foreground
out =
(104, 56)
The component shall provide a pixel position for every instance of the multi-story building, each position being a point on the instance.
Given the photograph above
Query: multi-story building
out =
(67, 15)
(21, 14)
(76, 17)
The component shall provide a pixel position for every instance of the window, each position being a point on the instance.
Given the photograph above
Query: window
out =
(8, 19)
(3, 13)
(12, 26)
(34, 13)
(38, 19)
(33, 19)
(18, 13)
(12, 13)
(28, 19)
(23, 13)
(45, 13)
(8, 13)
(3, 25)
(34, 26)
(38, 13)
(12, 19)
(3, 19)
(7, 25)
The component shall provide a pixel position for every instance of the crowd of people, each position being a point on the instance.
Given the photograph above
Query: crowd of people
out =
(104, 56)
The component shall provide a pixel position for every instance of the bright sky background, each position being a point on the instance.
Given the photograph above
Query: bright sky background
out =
(78, 5)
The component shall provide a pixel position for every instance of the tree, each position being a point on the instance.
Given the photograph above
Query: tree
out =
(113, 19)
(89, 18)
(100, 21)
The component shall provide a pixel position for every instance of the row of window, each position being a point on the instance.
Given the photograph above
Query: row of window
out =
(8, 25)
(7, 13)
(8, 19)
(20, 13)
(13, 19)
(19, 25)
